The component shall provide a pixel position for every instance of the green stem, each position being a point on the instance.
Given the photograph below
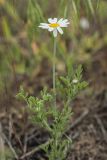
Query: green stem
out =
(47, 126)
(54, 72)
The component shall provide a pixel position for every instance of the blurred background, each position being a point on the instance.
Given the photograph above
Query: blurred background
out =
(26, 59)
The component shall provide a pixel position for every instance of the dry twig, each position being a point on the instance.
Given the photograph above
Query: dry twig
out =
(10, 145)
(35, 149)
(78, 120)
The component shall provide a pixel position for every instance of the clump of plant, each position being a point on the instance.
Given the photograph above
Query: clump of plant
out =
(46, 107)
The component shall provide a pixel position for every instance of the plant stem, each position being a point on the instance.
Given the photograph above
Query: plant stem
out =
(47, 126)
(54, 72)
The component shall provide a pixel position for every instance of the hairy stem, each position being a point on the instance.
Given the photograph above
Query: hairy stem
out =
(54, 72)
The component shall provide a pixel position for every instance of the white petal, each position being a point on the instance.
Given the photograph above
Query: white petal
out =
(43, 27)
(65, 20)
(60, 30)
(50, 29)
(44, 24)
(55, 20)
(60, 20)
(55, 32)
(52, 20)
(64, 23)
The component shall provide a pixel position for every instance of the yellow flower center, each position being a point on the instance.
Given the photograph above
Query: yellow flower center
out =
(54, 25)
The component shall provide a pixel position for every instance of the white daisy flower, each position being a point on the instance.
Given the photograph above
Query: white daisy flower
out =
(55, 25)
(75, 80)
